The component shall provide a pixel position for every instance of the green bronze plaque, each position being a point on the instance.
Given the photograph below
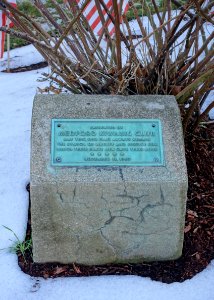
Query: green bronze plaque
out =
(106, 142)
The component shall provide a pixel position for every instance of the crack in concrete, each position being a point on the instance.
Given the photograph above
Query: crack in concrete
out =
(134, 202)
(60, 195)
(61, 198)
(108, 241)
(74, 193)
(122, 177)
(162, 195)
(112, 218)
(138, 199)
(150, 206)
(121, 173)
(105, 200)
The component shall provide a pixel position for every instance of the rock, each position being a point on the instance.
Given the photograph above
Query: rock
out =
(107, 214)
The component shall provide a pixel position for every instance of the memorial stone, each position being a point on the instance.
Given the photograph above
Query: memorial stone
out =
(108, 179)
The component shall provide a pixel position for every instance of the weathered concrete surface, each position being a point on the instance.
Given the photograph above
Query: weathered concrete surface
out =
(98, 215)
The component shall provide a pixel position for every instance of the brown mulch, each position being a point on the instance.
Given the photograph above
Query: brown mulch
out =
(37, 66)
(198, 248)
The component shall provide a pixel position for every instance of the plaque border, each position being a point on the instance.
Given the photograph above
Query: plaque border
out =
(153, 164)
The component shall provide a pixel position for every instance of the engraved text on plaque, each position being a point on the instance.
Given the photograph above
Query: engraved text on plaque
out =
(106, 142)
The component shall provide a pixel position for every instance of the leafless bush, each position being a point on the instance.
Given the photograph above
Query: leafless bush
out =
(171, 53)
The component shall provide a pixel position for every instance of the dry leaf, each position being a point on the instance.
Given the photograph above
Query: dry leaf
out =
(197, 256)
(192, 213)
(46, 275)
(176, 89)
(59, 270)
(187, 228)
(76, 269)
(195, 230)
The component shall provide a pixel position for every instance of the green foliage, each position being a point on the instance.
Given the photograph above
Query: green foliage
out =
(130, 14)
(160, 4)
(49, 4)
(28, 8)
(19, 246)
(15, 42)
(31, 11)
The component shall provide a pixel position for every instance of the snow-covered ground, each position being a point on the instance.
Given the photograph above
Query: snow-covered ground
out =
(16, 97)
(21, 57)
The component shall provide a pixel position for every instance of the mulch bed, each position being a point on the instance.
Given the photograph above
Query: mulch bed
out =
(37, 66)
(198, 248)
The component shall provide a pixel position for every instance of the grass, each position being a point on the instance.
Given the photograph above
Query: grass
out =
(19, 246)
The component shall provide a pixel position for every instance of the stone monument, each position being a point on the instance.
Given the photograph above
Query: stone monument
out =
(108, 179)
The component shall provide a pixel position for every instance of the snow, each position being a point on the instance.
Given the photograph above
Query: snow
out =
(17, 93)
(208, 101)
(21, 57)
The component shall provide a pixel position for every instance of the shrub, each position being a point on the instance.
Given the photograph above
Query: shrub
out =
(171, 53)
